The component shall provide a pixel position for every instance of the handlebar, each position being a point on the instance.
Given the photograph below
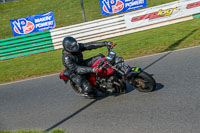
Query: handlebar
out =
(110, 48)
(102, 62)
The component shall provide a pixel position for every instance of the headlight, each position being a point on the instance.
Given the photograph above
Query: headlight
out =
(112, 54)
(119, 61)
(109, 58)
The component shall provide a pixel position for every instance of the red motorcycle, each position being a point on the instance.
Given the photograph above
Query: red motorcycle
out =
(114, 73)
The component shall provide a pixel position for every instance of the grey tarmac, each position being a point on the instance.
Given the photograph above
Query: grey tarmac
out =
(46, 103)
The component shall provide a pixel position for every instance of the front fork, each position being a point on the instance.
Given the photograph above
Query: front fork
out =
(129, 73)
(132, 73)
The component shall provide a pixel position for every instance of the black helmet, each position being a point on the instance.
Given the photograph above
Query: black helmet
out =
(70, 45)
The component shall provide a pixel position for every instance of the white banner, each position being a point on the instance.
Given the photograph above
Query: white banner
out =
(162, 13)
(190, 7)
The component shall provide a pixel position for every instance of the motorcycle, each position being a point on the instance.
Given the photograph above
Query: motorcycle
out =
(113, 75)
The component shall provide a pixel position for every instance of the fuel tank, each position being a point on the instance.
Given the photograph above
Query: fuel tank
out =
(105, 71)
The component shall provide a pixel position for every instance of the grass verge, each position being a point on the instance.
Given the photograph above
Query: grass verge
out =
(172, 37)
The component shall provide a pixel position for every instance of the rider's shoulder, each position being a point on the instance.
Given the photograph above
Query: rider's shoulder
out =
(68, 57)
(81, 46)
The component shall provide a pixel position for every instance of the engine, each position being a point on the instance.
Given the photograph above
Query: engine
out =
(106, 82)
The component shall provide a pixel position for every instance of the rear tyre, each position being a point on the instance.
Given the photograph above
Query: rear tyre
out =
(77, 90)
(144, 82)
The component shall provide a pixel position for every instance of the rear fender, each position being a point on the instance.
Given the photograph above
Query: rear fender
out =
(63, 76)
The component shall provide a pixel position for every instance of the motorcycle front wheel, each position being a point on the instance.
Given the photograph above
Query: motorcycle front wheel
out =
(143, 82)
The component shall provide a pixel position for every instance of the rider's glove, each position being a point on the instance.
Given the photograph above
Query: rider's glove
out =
(109, 44)
(96, 70)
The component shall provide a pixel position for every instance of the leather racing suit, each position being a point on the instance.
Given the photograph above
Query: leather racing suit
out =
(77, 67)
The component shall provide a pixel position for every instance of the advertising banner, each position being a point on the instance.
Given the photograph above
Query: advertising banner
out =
(33, 24)
(109, 7)
(153, 15)
(162, 13)
(190, 7)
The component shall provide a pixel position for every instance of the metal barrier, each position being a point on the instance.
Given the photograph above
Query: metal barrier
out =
(170, 13)
(89, 31)
(25, 45)
(102, 29)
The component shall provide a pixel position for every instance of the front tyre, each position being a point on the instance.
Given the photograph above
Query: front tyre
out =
(144, 82)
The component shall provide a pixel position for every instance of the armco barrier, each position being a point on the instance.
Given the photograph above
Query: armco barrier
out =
(25, 45)
(117, 25)
(100, 32)
(89, 31)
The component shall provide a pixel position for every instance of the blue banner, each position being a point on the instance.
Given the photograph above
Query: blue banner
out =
(33, 24)
(109, 7)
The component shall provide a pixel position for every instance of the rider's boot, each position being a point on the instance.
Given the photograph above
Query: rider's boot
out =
(88, 95)
(88, 92)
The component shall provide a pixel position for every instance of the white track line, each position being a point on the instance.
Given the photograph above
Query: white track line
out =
(126, 60)
(28, 79)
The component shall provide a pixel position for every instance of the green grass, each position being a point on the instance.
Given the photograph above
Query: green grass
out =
(66, 12)
(172, 37)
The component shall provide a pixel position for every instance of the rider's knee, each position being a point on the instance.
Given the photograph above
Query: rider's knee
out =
(86, 86)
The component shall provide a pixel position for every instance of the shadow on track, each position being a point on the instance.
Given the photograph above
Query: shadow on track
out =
(75, 113)
(157, 60)
(129, 89)
(159, 86)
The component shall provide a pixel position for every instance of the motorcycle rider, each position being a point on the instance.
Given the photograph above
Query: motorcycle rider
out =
(76, 67)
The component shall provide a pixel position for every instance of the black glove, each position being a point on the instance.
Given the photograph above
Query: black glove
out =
(96, 70)
(109, 44)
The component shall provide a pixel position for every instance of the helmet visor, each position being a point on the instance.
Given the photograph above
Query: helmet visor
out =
(74, 47)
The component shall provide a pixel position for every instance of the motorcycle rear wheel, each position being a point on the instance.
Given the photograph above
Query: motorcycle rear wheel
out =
(77, 90)
(144, 82)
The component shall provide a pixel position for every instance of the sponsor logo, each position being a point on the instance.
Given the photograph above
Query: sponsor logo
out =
(113, 6)
(22, 26)
(154, 15)
(109, 7)
(193, 5)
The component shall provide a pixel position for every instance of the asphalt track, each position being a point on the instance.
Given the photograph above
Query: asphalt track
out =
(46, 103)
